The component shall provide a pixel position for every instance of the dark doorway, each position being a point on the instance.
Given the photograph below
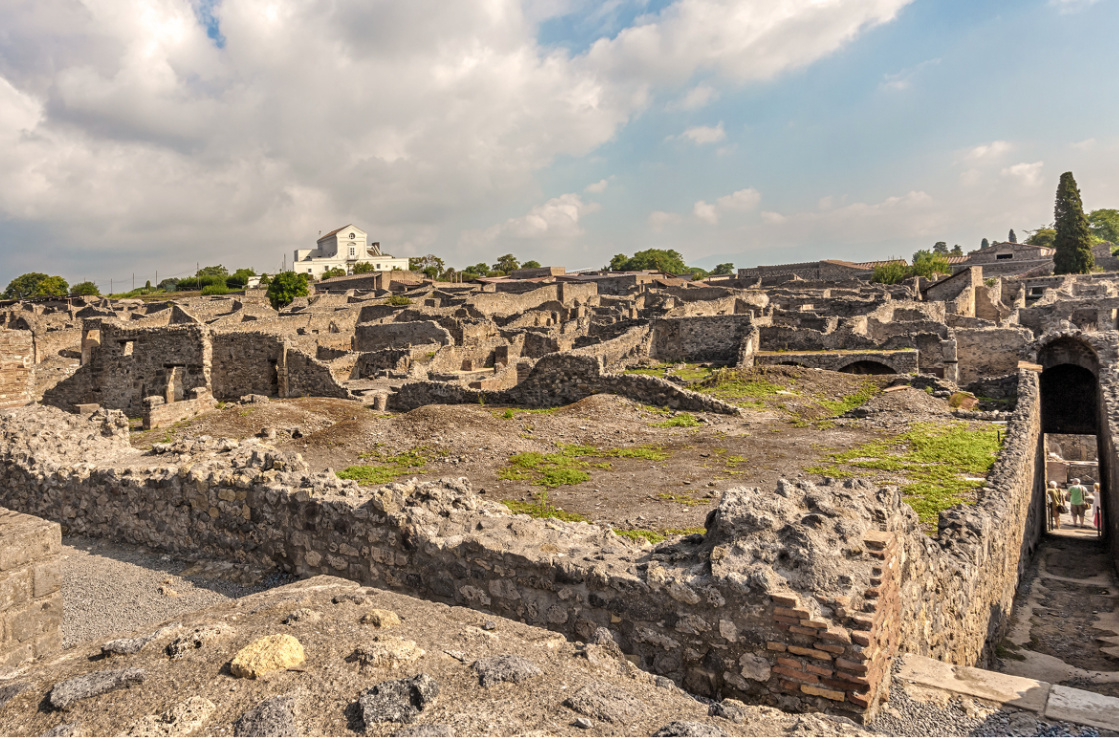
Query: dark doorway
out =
(867, 367)
(1069, 400)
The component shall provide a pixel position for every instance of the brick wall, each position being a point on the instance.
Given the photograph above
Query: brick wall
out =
(30, 588)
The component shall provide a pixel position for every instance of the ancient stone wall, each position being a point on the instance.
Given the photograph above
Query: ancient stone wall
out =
(30, 588)
(379, 336)
(956, 590)
(702, 338)
(158, 413)
(246, 363)
(989, 352)
(17, 361)
(901, 362)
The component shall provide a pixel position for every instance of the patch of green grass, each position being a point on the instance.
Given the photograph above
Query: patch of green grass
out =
(742, 387)
(651, 371)
(511, 412)
(681, 499)
(683, 420)
(852, 401)
(568, 465)
(245, 412)
(387, 467)
(656, 536)
(541, 508)
(935, 458)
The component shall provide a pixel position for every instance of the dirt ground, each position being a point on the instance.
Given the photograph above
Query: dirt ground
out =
(777, 436)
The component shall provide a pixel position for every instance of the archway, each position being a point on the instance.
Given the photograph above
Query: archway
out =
(1073, 444)
(868, 367)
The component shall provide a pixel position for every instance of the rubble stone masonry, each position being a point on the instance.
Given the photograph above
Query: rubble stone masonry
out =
(30, 588)
(17, 358)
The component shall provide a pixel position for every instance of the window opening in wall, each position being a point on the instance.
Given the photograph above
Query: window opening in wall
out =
(1004, 256)
(127, 351)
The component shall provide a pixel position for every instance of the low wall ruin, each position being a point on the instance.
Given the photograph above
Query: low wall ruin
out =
(30, 588)
(17, 361)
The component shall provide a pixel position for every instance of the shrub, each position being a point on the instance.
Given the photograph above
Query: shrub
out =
(398, 301)
(285, 287)
(215, 289)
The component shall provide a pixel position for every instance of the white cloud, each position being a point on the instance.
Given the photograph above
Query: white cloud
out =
(1029, 174)
(773, 218)
(597, 187)
(659, 219)
(407, 118)
(741, 200)
(988, 151)
(706, 212)
(555, 220)
(703, 135)
(697, 97)
(1085, 145)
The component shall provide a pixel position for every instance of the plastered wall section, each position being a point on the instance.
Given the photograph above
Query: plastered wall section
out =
(30, 588)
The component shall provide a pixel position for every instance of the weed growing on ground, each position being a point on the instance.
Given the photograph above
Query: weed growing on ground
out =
(936, 458)
(852, 401)
(567, 466)
(512, 412)
(683, 420)
(743, 387)
(541, 508)
(387, 466)
(681, 499)
(656, 536)
(690, 373)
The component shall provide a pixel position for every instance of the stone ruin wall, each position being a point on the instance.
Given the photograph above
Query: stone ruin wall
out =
(30, 588)
(799, 598)
(17, 362)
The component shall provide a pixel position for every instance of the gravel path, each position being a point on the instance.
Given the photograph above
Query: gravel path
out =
(109, 588)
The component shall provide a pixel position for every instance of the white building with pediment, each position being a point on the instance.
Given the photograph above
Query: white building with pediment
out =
(343, 248)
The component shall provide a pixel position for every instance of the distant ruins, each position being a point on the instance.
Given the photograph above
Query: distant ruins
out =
(799, 597)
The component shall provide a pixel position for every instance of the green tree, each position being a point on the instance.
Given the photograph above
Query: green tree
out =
(169, 285)
(333, 272)
(506, 264)
(530, 264)
(1073, 242)
(957, 250)
(984, 243)
(363, 267)
(213, 271)
(892, 272)
(85, 289)
(727, 268)
(928, 264)
(1104, 225)
(1012, 237)
(53, 287)
(1043, 236)
(662, 260)
(24, 286)
(420, 263)
(285, 287)
(940, 247)
(240, 278)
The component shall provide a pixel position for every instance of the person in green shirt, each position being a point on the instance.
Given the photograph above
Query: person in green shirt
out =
(1076, 495)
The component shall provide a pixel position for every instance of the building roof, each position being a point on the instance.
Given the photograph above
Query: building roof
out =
(336, 230)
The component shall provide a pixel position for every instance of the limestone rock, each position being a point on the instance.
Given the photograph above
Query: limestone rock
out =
(399, 700)
(180, 720)
(67, 693)
(688, 728)
(197, 638)
(266, 654)
(729, 709)
(605, 703)
(65, 730)
(9, 691)
(432, 730)
(505, 668)
(302, 615)
(386, 652)
(274, 717)
(381, 619)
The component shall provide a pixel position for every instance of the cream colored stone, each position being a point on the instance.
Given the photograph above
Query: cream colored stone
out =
(381, 619)
(270, 653)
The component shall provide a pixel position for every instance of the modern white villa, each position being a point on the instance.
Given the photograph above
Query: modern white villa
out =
(343, 248)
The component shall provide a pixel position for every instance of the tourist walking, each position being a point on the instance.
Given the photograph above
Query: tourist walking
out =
(1076, 495)
(1056, 502)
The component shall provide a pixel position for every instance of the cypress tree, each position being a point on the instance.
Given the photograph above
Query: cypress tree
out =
(1073, 243)
(1013, 237)
(984, 244)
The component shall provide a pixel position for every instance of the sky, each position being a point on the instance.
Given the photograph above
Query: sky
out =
(146, 137)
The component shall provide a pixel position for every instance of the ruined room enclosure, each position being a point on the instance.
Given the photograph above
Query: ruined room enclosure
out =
(647, 471)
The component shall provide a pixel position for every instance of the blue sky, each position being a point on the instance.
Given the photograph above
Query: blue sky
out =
(144, 135)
